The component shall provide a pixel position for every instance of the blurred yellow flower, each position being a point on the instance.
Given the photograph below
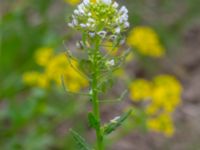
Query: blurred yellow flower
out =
(145, 40)
(93, 1)
(56, 69)
(140, 89)
(72, 2)
(110, 49)
(167, 92)
(35, 79)
(163, 95)
(162, 123)
(43, 55)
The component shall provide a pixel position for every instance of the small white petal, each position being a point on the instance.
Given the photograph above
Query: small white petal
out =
(76, 12)
(86, 2)
(91, 34)
(70, 25)
(91, 20)
(102, 34)
(75, 22)
(88, 24)
(81, 8)
(126, 25)
(89, 14)
(117, 30)
(122, 41)
(123, 10)
(107, 2)
(83, 25)
(111, 62)
(115, 5)
(113, 37)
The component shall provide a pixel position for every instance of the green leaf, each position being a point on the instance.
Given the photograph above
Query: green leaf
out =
(115, 123)
(85, 66)
(81, 143)
(94, 123)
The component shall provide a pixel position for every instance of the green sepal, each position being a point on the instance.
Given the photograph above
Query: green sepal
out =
(94, 123)
(80, 141)
(115, 123)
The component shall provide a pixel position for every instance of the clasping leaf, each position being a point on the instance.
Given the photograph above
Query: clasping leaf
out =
(115, 123)
(80, 141)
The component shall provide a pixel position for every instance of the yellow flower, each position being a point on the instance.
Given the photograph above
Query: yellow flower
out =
(93, 1)
(169, 82)
(43, 56)
(72, 2)
(59, 67)
(152, 109)
(162, 123)
(35, 79)
(140, 89)
(146, 41)
(110, 49)
(167, 92)
(163, 95)
(56, 68)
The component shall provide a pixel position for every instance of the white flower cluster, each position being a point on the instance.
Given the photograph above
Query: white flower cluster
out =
(102, 18)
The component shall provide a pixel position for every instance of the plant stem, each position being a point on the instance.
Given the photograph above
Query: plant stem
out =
(95, 100)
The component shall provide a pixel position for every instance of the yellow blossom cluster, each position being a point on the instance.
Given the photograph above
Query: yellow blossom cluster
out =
(56, 68)
(161, 96)
(72, 2)
(145, 41)
(75, 2)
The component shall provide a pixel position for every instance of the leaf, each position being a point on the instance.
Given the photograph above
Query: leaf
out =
(81, 143)
(85, 66)
(94, 123)
(115, 123)
(106, 84)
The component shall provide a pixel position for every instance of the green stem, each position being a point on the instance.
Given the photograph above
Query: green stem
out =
(95, 100)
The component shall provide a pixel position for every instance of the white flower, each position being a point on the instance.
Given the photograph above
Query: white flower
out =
(75, 22)
(107, 2)
(81, 8)
(107, 20)
(115, 5)
(111, 62)
(89, 14)
(91, 20)
(113, 37)
(76, 12)
(86, 2)
(91, 34)
(70, 25)
(88, 24)
(102, 34)
(117, 30)
(83, 25)
(123, 10)
(122, 41)
(126, 25)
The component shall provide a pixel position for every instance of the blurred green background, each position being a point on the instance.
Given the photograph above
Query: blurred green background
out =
(32, 118)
